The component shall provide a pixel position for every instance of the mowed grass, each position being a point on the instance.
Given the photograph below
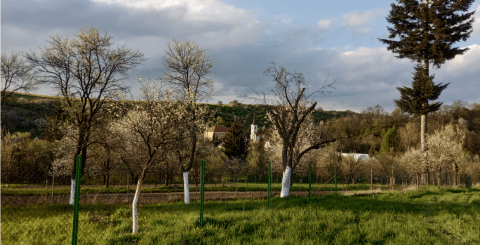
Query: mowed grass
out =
(448, 216)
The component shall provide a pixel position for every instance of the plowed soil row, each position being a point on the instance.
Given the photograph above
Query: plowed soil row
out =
(145, 198)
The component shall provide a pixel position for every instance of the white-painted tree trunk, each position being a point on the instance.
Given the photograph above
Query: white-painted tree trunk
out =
(186, 189)
(286, 182)
(72, 192)
(135, 209)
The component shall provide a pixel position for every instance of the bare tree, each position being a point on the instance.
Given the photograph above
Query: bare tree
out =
(351, 167)
(16, 76)
(292, 120)
(409, 136)
(187, 67)
(85, 70)
(373, 113)
(327, 159)
(106, 156)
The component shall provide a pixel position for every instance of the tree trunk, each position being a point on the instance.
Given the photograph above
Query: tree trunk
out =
(418, 180)
(392, 181)
(166, 178)
(423, 131)
(371, 179)
(438, 180)
(186, 189)
(195, 176)
(455, 174)
(455, 178)
(107, 180)
(135, 208)
(72, 191)
(53, 185)
(428, 180)
(286, 182)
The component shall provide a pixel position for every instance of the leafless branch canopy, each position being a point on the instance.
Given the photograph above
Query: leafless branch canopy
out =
(86, 71)
(291, 115)
(187, 66)
(16, 76)
(85, 67)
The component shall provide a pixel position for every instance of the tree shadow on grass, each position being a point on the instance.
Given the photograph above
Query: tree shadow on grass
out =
(411, 202)
(414, 202)
(407, 202)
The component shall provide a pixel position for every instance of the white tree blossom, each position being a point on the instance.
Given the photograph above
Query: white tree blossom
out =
(153, 127)
(446, 149)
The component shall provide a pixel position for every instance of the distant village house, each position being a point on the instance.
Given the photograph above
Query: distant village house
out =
(218, 132)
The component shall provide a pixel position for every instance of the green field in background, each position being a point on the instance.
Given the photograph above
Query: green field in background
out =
(23, 190)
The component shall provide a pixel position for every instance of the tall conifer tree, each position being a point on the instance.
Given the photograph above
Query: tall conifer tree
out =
(427, 30)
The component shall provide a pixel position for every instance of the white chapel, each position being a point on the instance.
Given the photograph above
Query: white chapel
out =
(253, 134)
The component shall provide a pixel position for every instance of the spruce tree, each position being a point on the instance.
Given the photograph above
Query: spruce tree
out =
(235, 141)
(427, 30)
(415, 100)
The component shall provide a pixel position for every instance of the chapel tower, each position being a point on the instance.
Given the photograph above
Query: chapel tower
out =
(253, 134)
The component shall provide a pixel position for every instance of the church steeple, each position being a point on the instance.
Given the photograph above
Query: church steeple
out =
(253, 134)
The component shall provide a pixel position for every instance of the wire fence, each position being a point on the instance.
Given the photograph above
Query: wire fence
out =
(38, 212)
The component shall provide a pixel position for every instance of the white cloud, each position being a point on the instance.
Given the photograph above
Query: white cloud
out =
(324, 24)
(476, 24)
(464, 63)
(206, 10)
(287, 20)
(209, 23)
(361, 18)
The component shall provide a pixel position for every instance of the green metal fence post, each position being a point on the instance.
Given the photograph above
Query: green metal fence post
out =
(310, 184)
(269, 181)
(335, 177)
(78, 174)
(201, 192)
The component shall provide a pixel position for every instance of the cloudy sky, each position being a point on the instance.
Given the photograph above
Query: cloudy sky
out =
(317, 38)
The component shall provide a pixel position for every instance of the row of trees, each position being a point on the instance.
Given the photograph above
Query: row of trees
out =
(31, 160)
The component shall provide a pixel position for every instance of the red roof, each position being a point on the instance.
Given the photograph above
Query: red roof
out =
(220, 130)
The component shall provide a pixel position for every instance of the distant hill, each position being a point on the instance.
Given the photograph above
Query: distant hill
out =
(26, 112)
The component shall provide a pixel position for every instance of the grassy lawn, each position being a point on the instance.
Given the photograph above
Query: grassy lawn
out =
(448, 216)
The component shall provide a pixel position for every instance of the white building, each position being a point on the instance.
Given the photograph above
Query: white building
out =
(253, 132)
(356, 156)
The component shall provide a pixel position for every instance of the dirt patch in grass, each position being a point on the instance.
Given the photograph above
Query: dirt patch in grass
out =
(145, 198)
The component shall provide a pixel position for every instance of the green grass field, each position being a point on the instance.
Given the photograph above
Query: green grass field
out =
(448, 216)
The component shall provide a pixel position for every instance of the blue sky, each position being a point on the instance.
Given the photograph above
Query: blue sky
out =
(315, 38)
